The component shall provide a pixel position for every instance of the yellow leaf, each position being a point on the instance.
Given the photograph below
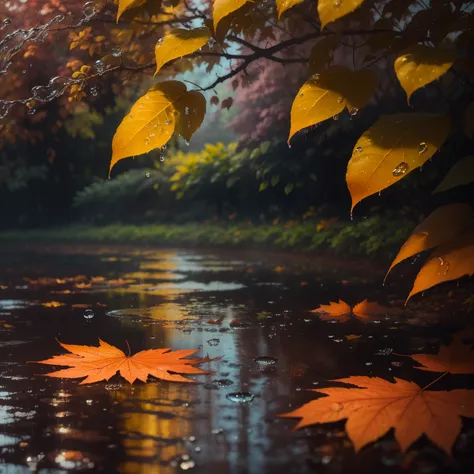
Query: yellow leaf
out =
(331, 10)
(419, 65)
(124, 5)
(154, 118)
(469, 121)
(223, 8)
(441, 226)
(461, 174)
(192, 109)
(179, 42)
(393, 147)
(283, 5)
(326, 94)
(448, 262)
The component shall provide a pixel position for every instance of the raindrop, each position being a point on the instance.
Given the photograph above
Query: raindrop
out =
(240, 397)
(187, 111)
(147, 175)
(4, 109)
(99, 65)
(116, 52)
(400, 169)
(335, 117)
(88, 314)
(147, 142)
(89, 10)
(168, 122)
(353, 111)
(422, 147)
(336, 406)
(337, 3)
(339, 99)
(358, 149)
(6, 21)
(89, 402)
(265, 361)
(94, 91)
(213, 342)
(186, 142)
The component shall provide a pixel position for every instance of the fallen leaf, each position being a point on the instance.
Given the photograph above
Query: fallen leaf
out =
(341, 311)
(376, 406)
(352, 337)
(80, 306)
(103, 362)
(215, 321)
(455, 358)
(52, 304)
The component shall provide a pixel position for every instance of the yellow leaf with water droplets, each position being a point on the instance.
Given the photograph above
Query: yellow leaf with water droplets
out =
(419, 65)
(331, 10)
(391, 149)
(448, 262)
(223, 8)
(327, 94)
(469, 121)
(124, 5)
(154, 118)
(461, 174)
(442, 225)
(192, 109)
(179, 42)
(283, 5)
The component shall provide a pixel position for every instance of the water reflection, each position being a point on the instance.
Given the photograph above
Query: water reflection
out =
(272, 349)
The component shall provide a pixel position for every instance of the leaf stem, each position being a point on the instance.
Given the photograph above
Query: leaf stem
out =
(434, 381)
(128, 345)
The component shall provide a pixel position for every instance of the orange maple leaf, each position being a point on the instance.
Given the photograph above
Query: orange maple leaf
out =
(341, 311)
(103, 362)
(377, 405)
(455, 358)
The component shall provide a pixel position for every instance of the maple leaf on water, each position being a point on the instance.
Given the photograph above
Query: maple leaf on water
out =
(377, 405)
(455, 358)
(364, 311)
(103, 362)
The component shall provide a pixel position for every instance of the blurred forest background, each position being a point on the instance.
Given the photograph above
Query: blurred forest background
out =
(238, 170)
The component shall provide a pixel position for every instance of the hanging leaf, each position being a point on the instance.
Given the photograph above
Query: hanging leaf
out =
(461, 174)
(448, 262)
(179, 42)
(391, 149)
(376, 406)
(469, 121)
(192, 109)
(442, 225)
(124, 5)
(103, 362)
(327, 94)
(419, 65)
(331, 10)
(455, 358)
(223, 8)
(154, 117)
(283, 5)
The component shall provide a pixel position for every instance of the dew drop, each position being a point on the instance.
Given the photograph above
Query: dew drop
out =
(400, 169)
(422, 147)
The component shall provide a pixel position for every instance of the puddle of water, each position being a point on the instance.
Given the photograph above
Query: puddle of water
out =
(272, 350)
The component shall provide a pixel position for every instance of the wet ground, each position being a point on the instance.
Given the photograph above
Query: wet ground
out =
(249, 308)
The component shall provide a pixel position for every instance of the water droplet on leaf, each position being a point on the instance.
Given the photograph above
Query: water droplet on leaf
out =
(400, 169)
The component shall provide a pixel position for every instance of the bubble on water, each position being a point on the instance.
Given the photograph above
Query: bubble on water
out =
(112, 387)
(213, 342)
(88, 314)
(265, 361)
(400, 169)
(240, 397)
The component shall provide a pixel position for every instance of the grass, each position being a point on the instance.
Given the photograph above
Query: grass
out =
(370, 236)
